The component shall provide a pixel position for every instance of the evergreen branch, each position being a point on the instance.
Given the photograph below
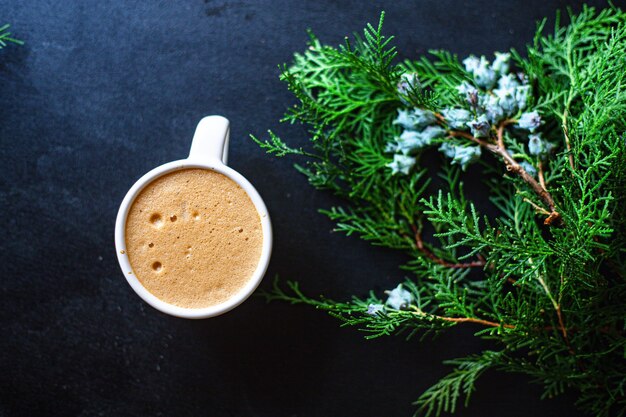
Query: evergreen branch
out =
(354, 313)
(5, 37)
(551, 297)
(514, 167)
(445, 394)
(279, 148)
(419, 242)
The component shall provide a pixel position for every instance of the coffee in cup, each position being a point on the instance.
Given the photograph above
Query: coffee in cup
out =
(193, 236)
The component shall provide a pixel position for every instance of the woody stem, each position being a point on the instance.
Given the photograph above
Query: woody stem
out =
(512, 166)
(419, 243)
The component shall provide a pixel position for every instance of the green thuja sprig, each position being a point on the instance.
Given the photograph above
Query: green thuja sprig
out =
(445, 395)
(544, 277)
(6, 38)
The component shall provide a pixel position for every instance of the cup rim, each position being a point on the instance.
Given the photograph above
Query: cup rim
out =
(120, 239)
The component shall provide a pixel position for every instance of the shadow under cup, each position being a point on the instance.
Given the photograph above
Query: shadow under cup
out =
(174, 247)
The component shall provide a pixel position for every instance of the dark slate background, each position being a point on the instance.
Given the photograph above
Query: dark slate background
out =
(102, 92)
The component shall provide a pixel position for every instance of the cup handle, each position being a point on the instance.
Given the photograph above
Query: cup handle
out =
(211, 140)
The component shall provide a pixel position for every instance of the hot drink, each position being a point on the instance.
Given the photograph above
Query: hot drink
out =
(193, 238)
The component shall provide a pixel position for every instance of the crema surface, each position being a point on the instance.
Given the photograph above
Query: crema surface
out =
(193, 238)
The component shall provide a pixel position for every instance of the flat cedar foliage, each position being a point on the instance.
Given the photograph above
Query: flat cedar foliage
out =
(543, 279)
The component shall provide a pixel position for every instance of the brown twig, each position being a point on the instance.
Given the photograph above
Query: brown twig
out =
(419, 243)
(538, 208)
(477, 321)
(461, 134)
(488, 323)
(557, 308)
(500, 132)
(464, 320)
(563, 329)
(542, 180)
(515, 168)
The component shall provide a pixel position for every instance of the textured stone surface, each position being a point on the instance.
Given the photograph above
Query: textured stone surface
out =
(102, 92)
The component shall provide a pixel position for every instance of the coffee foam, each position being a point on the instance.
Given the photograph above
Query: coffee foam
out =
(193, 238)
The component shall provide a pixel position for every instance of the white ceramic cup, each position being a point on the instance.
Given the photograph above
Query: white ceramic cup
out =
(209, 150)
